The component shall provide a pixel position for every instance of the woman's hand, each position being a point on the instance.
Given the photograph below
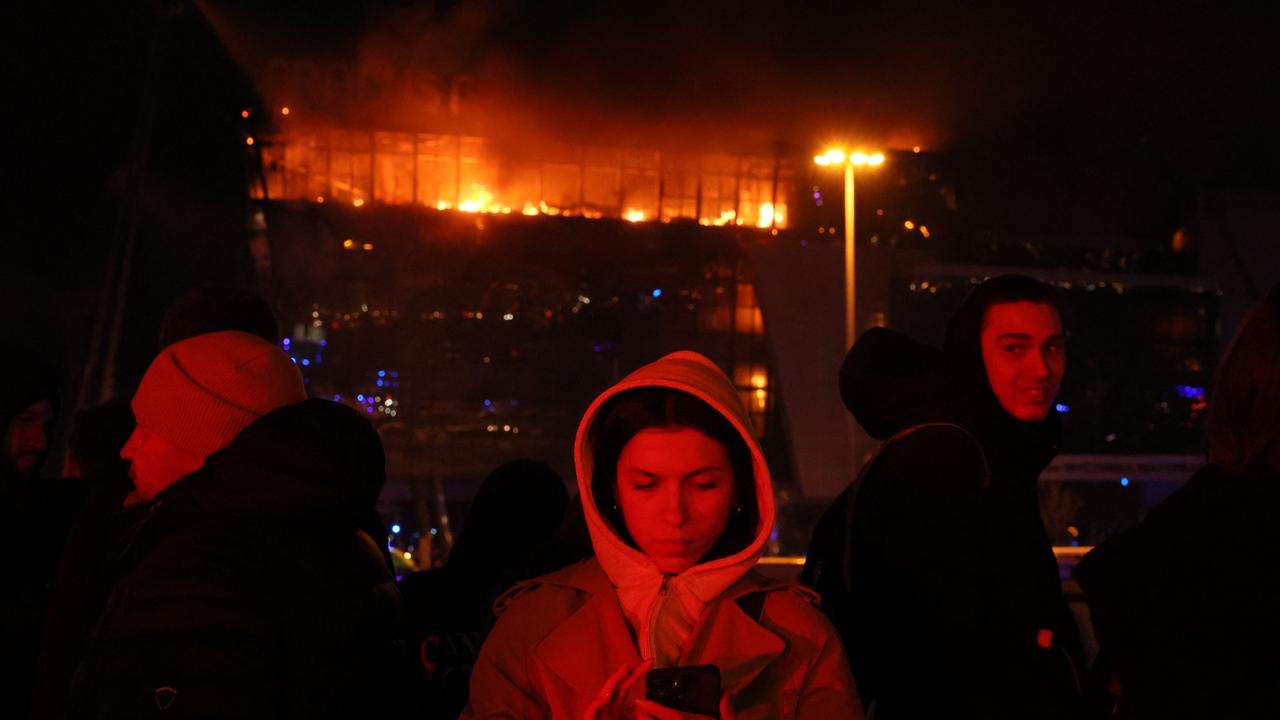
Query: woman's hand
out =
(650, 710)
(610, 702)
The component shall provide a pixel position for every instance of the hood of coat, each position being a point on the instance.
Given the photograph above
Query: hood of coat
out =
(663, 609)
(315, 457)
(890, 382)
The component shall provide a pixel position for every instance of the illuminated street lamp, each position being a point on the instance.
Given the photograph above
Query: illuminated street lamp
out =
(857, 158)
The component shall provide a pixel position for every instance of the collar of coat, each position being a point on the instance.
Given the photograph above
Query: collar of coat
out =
(724, 635)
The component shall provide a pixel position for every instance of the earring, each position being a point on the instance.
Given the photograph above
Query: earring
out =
(738, 509)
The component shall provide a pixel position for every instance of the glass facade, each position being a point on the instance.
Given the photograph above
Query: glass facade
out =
(481, 175)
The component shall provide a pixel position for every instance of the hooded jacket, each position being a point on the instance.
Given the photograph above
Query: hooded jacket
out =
(255, 586)
(934, 564)
(559, 637)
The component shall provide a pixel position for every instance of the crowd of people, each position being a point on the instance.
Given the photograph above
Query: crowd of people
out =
(227, 559)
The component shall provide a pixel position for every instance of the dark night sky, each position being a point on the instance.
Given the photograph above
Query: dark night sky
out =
(1150, 103)
(1058, 79)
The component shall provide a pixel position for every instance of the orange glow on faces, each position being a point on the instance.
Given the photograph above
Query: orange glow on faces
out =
(675, 491)
(156, 463)
(1023, 348)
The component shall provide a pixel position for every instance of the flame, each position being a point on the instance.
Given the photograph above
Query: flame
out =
(633, 215)
(480, 200)
(727, 217)
(768, 216)
(530, 209)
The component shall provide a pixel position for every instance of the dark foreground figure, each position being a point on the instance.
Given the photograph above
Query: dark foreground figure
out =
(33, 521)
(507, 537)
(253, 582)
(1186, 606)
(934, 564)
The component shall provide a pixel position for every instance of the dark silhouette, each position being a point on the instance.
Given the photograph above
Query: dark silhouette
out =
(97, 436)
(208, 309)
(35, 517)
(508, 537)
(1185, 604)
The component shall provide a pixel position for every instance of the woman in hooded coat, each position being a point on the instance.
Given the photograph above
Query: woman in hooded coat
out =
(679, 503)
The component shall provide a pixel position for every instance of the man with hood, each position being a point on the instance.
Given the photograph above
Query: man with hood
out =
(255, 583)
(934, 564)
(679, 504)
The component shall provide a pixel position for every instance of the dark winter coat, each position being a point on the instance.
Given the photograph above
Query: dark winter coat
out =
(35, 517)
(507, 538)
(257, 586)
(79, 593)
(1185, 604)
(934, 564)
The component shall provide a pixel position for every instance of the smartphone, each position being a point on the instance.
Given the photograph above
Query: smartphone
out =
(688, 688)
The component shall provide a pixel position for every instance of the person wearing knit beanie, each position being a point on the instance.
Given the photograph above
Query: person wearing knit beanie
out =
(196, 397)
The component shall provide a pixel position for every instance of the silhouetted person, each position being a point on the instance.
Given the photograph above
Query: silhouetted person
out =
(507, 537)
(80, 590)
(212, 308)
(1186, 605)
(934, 563)
(33, 521)
(97, 436)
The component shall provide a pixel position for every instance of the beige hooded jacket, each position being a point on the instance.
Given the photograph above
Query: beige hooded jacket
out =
(559, 637)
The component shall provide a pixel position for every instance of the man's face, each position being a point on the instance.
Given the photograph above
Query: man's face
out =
(675, 490)
(26, 437)
(155, 463)
(1023, 350)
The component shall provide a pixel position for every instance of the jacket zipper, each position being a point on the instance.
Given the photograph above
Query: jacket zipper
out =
(653, 617)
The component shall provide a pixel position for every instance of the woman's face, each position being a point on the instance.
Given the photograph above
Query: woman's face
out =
(675, 490)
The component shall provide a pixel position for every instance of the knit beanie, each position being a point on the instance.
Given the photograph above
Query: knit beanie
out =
(199, 393)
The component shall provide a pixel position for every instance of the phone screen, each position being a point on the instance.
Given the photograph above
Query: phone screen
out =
(688, 688)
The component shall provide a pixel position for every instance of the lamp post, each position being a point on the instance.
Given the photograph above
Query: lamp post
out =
(849, 161)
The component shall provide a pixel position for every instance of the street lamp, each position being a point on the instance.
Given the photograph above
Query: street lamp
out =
(857, 158)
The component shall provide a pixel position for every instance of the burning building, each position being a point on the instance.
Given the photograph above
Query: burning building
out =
(471, 296)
